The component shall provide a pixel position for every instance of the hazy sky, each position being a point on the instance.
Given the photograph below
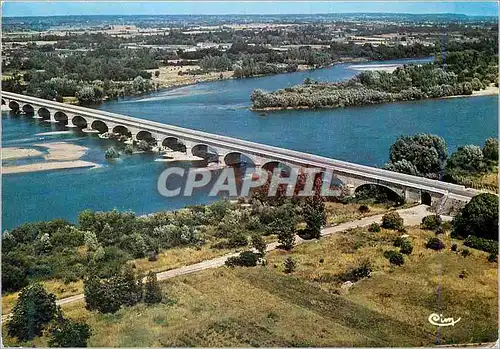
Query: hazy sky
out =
(19, 8)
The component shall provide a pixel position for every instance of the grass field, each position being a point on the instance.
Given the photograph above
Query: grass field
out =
(262, 306)
(181, 256)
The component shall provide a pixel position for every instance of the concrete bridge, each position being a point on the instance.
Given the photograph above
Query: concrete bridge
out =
(231, 150)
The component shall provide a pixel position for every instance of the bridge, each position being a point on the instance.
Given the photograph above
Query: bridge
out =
(231, 150)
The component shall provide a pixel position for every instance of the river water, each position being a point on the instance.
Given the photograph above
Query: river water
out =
(360, 134)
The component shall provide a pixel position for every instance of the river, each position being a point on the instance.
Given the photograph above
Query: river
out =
(360, 134)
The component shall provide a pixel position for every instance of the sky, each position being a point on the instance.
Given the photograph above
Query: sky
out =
(53, 8)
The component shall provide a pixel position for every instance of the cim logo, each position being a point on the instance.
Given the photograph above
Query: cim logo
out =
(440, 321)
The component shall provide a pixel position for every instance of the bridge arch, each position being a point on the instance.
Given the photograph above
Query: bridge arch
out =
(174, 143)
(14, 106)
(378, 193)
(238, 159)
(61, 117)
(44, 113)
(99, 126)
(28, 109)
(270, 166)
(204, 151)
(79, 121)
(3, 102)
(425, 198)
(144, 136)
(122, 130)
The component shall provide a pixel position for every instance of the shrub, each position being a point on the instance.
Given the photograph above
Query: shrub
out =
(259, 244)
(493, 258)
(111, 153)
(398, 241)
(392, 220)
(34, 309)
(237, 239)
(465, 252)
(289, 265)
(363, 270)
(479, 217)
(244, 259)
(108, 295)
(406, 247)
(435, 244)
(374, 228)
(313, 213)
(152, 290)
(397, 259)
(486, 245)
(454, 247)
(70, 334)
(364, 209)
(431, 222)
(129, 149)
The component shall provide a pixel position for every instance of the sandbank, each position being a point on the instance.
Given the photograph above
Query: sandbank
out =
(11, 153)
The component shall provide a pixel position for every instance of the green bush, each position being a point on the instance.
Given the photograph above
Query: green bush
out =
(237, 239)
(486, 245)
(363, 270)
(493, 258)
(392, 220)
(364, 209)
(454, 247)
(406, 247)
(465, 252)
(152, 290)
(259, 244)
(70, 334)
(394, 257)
(435, 244)
(479, 217)
(244, 259)
(289, 265)
(398, 241)
(374, 228)
(111, 153)
(129, 149)
(431, 222)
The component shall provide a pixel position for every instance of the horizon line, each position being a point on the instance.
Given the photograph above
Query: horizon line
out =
(257, 14)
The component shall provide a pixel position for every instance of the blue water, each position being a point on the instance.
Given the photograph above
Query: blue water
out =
(361, 135)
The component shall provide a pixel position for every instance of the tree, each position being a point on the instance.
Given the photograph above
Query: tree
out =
(420, 154)
(108, 295)
(490, 149)
(259, 244)
(313, 212)
(34, 309)
(152, 292)
(111, 153)
(69, 334)
(479, 217)
(466, 160)
(284, 225)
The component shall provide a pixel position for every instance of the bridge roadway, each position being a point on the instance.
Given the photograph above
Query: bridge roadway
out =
(408, 186)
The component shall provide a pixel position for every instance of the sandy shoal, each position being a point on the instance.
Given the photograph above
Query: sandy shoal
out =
(61, 155)
(47, 166)
(11, 153)
(62, 151)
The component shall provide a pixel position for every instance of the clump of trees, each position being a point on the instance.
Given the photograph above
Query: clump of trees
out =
(479, 217)
(419, 155)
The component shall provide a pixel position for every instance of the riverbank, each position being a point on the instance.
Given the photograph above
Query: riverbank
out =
(60, 155)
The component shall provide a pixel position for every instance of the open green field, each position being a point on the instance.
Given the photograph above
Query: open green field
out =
(262, 306)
